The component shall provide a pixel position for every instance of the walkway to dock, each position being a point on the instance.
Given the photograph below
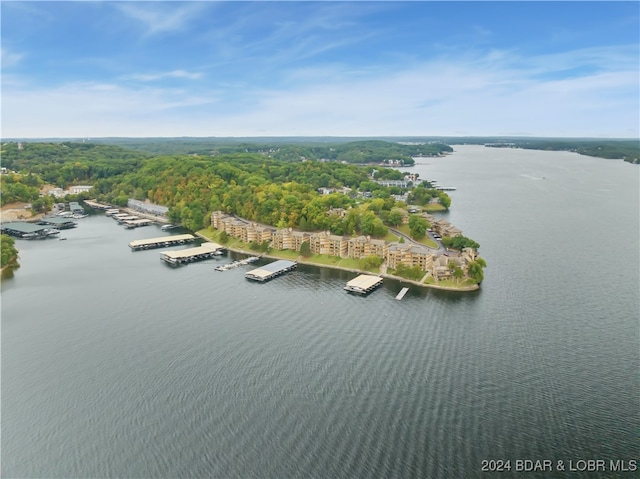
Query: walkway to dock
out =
(161, 242)
(401, 294)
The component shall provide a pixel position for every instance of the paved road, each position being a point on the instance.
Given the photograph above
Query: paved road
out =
(439, 250)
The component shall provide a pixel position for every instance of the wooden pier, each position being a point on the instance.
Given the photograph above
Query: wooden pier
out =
(270, 270)
(190, 255)
(401, 294)
(363, 284)
(161, 242)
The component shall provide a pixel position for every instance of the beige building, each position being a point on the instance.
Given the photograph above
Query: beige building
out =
(288, 238)
(410, 255)
(326, 243)
(345, 247)
(363, 246)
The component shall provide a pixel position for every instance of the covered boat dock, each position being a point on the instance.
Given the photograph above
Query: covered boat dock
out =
(22, 229)
(190, 255)
(270, 270)
(363, 284)
(58, 222)
(137, 223)
(150, 243)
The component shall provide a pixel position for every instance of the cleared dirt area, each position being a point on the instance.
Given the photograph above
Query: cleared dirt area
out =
(16, 211)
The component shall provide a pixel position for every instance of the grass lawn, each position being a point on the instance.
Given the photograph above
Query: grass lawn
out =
(455, 283)
(433, 207)
(391, 238)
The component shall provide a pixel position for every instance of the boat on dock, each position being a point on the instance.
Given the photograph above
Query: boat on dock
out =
(235, 264)
(363, 284)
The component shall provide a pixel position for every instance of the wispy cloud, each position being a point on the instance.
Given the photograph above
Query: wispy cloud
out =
(8, 58)
(162, 17)
(161, 76)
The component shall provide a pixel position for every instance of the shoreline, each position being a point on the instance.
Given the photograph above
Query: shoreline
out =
(474, 287)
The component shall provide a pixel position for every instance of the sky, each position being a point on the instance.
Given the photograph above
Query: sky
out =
(330, 68)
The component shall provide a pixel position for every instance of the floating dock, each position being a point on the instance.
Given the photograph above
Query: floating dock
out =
(235, 264)
(136, 223)
(401, 294)
(161, 242)
(190, 255)
(271, 270)
(363, 284)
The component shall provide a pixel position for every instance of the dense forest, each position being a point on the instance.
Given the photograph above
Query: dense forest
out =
(358, 151)
(251, 185)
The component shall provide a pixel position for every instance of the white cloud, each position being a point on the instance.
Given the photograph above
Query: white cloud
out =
(483, 96)
(160, 76)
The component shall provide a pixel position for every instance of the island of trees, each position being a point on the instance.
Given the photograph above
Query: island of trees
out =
(347, 191)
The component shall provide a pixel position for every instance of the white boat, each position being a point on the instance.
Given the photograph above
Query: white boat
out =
(167, 227)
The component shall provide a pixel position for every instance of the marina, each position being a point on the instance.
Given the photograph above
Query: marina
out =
(161, 242)
(190, 255)
(363, 284)
(271, 270)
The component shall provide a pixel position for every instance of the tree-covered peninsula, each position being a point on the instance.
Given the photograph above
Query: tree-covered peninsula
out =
(364, 202)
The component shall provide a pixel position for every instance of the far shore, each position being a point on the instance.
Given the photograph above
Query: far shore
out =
(303, 260)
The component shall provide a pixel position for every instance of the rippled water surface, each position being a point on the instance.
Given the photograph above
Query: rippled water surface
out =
(115, 365)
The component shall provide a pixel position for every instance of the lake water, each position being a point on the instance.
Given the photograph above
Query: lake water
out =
(116, 365)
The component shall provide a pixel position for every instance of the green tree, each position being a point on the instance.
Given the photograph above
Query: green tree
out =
(371, 262)
(395, 217)
(305, 249)
(475, 269)
(8, 251)
(418, 226)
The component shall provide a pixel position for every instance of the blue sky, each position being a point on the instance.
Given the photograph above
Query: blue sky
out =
(141, 69)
